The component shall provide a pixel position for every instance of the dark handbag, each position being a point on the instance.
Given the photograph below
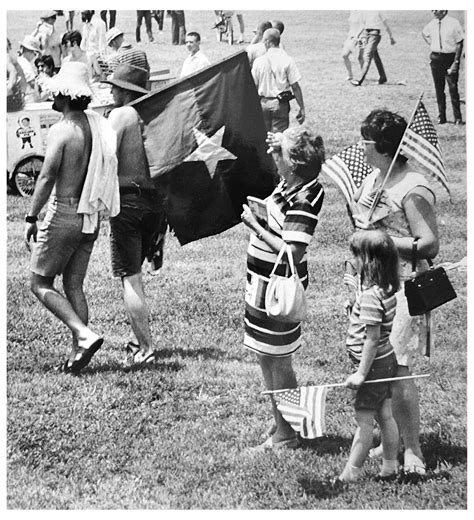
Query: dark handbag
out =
(286, 95)
(428, 290)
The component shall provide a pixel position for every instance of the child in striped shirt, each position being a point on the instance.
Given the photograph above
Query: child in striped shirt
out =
(368, 345)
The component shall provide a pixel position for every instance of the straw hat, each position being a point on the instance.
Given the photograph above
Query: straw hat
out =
(129, 77)
(30, 43)
(71, 80)
(112, 34)
(48, 14)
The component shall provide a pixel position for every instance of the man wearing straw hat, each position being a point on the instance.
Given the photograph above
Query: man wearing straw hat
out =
(138, 231)
(29, 51)
(80, 169)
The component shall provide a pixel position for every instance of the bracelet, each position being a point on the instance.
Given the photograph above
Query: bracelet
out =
(31, 219)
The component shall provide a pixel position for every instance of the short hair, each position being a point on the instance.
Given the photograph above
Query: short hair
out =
(72, 37)
(47, 60)
(386, 129)
(279, 25)
(306, 151)
(272, 36)
(78, 103)
(263, 26)
(378, 257)
(194, 34)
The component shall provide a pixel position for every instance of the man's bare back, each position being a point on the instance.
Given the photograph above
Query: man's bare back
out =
(69, 149)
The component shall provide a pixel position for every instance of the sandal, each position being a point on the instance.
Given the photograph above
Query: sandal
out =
(84, 355)
(137, 360)
(64, 367)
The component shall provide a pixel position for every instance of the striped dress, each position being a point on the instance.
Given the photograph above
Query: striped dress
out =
(292, 216)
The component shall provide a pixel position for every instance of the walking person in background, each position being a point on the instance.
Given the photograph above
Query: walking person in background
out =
(240, 20)
(275, 73)
(292, 210)
(257, 47)
(112, 18)
(80, 171)
(353, 43)
(134, 231)
(178, 27)
(16, 82)
(445, 37)
(29, 51)
(48, 37)
(159, 17)
(143, 15)
(369, 348)
(406, 211)
(373, 22)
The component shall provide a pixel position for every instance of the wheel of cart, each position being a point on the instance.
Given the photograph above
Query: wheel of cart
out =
(24, 176)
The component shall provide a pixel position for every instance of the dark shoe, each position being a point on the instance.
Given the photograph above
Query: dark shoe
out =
(64, 367)
(84, 355)
(386, 478)
(459, 122)
(382, 81)
(355, 82)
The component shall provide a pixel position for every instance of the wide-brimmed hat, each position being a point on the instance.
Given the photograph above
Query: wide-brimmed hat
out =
(111, 34)
(31, 43)
(71, 80)
(129, 77)
(48, 14)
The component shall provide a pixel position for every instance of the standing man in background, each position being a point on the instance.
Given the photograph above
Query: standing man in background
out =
(196, 60)
(276, 78)
(373, 22)
(143, 15)
(445, 37)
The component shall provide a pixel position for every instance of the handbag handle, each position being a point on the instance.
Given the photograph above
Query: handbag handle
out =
(414, 249)
(285, 249)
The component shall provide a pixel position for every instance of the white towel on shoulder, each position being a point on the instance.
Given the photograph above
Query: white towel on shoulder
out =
(101, 186)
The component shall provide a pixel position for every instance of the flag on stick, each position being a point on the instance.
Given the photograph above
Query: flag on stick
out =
(420, 142)
(204, 139)
(304, 409)
(348, 169)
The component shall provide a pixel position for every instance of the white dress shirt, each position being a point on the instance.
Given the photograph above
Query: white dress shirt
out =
(194, 62)
(444, 34)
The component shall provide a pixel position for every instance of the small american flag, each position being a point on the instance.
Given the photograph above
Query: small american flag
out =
(421, 143)
(348, 169)
(304, 409)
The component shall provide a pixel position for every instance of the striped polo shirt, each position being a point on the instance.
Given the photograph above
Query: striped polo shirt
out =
(131, 55)
(373, 306)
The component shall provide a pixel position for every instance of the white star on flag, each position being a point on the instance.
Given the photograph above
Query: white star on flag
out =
(210, 150)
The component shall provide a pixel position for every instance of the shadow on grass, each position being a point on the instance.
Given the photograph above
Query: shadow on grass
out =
(171, 366)
(322, 488)
(330, 445)
(439, 451)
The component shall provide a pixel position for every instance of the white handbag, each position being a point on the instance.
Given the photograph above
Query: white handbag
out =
(285, 298)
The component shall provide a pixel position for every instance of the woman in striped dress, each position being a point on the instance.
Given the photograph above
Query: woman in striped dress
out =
(292, 215)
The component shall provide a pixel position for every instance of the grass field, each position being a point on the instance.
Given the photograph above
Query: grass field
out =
(171, 437)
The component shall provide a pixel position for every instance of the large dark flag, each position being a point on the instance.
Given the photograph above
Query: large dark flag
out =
(204, 138)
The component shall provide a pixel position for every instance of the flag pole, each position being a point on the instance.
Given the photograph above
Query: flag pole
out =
(332, 385)
(381, 187)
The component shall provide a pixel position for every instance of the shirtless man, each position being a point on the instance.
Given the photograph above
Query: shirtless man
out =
(135, 231)
(61, 245)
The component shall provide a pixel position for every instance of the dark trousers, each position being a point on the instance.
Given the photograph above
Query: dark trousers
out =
(158, 16)
(140, 16)
(440, 64)
(178, 28)
(112, 16)
(371, 53)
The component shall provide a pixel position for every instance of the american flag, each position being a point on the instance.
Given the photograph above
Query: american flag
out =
(421, 143)
(348, 169)
(304, 409)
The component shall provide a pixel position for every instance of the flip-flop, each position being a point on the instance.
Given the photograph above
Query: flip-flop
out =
(64, 367)
(84, 355)
(131, 362)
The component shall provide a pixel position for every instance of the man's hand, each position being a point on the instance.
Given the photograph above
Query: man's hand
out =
(31, 230)
(300, 116)
(354, 381)
(274, 142)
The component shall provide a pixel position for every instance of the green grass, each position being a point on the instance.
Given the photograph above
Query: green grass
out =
(171, 437)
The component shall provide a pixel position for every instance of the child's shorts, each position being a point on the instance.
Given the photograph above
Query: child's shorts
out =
(372, 396)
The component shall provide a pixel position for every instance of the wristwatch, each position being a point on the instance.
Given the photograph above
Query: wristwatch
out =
(31, 219)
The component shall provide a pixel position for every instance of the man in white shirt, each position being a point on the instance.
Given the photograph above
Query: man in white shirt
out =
(373, 22)
(445, 37)
(48, 37)
(196, 60)
(275, 73)
(257, 47)
(93, 34)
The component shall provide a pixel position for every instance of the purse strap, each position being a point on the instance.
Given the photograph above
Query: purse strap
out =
(285, 249)
(414, 249)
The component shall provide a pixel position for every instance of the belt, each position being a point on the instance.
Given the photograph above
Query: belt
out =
(443, 53)
(136, 190)
(266, 97)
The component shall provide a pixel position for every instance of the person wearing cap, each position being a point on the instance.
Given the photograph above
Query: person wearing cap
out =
(445, 36)
(124, 52)
(277, 80)
(93, 34)
(29, 51)
(80, 174)
(196, 60)
(257, 47)
(48, 37)
(136, 229)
